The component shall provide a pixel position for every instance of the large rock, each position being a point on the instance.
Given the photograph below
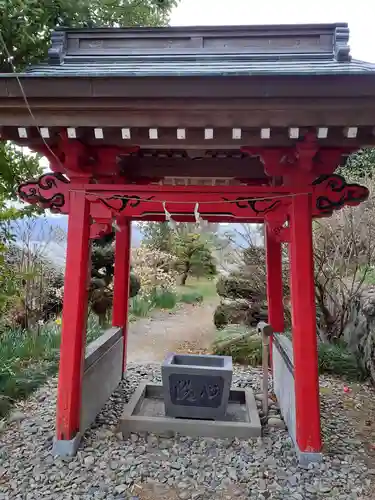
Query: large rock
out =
(239, 312)
(238, 287)
(359, 332)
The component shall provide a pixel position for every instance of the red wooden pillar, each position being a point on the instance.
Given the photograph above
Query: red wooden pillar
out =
(306, 377)
(274, 281)
(274, 284)
(122, 280)
(74, 319)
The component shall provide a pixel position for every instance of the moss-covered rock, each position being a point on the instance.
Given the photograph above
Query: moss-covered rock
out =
(243, 344)
(239, 312)
(237, 287)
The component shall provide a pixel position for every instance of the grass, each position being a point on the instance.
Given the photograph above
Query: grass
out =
(193, 297)
(369, 274)
(333, 359)
(237, 341)
(197, 290)
(141, 307)
(194, 292)
(28, 359)
(164, 300)
(336, 359)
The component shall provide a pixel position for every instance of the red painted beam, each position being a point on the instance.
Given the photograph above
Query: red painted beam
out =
(189, 193)
(148, 202)
(74, 319)
(224, 202)
(304, 326)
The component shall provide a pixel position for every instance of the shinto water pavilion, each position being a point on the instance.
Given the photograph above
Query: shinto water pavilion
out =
(240, 123)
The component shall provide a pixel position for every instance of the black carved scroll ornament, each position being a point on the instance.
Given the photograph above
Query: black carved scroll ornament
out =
(49, 191)
(119, 202)
(337, 193)
(259, 207)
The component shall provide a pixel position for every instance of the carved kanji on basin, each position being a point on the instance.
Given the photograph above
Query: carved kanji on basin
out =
(196, 386)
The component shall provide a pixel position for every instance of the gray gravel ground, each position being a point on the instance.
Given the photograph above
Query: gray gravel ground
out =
(145, 468)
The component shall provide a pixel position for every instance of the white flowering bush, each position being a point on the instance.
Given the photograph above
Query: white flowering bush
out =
(37, 289)
(155, 270)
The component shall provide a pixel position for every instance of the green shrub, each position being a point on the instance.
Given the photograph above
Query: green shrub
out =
(245, 348)
(228, 313)
(161, 299)
(134, 285)
(140, 307)
(193, 297)
(27, 359)
(94, 329)
(239, 312)
(336, 359)
(231, 332)
(220, 317)
(242, 344)
(164, 299)
(367, 273)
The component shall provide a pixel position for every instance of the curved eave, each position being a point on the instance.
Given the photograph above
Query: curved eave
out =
(264, 100)
(200, 66)
(63, 85)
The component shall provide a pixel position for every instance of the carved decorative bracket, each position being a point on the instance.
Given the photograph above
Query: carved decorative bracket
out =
(73, 158)
(302, 164)
(57, 50)
(332, 192)
(328, 193)
(341, 44)
(52, 191)
(49, 191)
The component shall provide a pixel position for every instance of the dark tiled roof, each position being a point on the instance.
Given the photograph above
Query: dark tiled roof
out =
(209, 66)
(202, 51)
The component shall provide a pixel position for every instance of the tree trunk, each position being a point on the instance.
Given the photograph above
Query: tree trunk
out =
(185, 274)
(102, 320)
(184, 278)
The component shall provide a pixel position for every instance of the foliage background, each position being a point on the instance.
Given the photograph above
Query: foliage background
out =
(30, 289)
(25, 30)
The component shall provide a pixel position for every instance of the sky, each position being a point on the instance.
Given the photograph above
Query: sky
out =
(359, 14)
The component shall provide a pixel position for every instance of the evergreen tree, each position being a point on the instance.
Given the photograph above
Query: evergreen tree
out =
(192, 246)
(102, 273)
(158, 236)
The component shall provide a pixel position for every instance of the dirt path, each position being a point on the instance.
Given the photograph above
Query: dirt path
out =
(190, 327)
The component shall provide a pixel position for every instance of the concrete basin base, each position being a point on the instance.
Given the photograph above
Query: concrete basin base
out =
(145, 413)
